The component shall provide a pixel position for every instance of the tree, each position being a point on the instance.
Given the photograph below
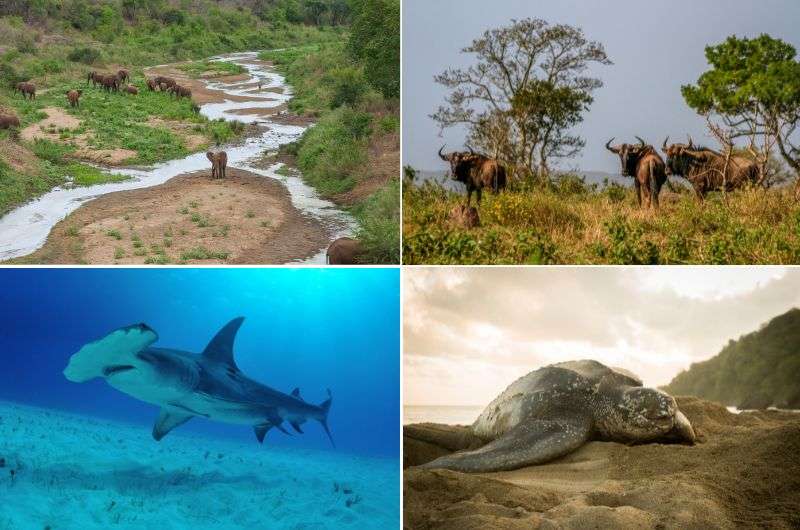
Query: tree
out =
(753, 91)
(529, 80)
(375, 42)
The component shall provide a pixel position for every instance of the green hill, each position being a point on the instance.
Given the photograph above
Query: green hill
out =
(759, 370)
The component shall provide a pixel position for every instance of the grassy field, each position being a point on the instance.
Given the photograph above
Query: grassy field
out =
(55, 45)
(571, 222)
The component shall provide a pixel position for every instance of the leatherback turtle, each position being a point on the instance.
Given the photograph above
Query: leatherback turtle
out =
(554, 410)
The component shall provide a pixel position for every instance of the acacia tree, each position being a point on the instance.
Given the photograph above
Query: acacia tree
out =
(752, 91)
(529, 80)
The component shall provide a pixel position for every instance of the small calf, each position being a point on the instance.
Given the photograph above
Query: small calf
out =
(219, 161)
(74, 96)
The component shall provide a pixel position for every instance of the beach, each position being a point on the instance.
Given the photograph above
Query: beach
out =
(743, 472)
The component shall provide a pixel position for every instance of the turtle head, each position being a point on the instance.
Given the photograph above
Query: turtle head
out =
(649, 414)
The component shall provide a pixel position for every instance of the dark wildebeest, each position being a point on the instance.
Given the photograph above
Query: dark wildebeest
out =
(151, 84)
(643, 163)
(123, 75)
(708, 170)
(26, 89)
(94, 78)
(130, 89)
(74, 96)
(7, 121)
(343, 251)
(180, 91)
(475, 171)
(219, 161)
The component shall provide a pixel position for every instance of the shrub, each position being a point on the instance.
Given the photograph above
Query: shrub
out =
(84, 55)
(348, 86)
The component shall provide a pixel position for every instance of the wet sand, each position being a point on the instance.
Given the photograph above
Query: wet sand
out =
(743, 473)
(246, 216)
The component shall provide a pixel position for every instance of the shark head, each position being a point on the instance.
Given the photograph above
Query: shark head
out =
(125, 360)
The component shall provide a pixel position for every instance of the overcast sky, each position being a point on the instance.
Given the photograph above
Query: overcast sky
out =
(656, 47)
(470, 331)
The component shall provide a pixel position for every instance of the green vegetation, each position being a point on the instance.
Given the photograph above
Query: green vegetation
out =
(55, 43)
(758, 370)
(571, 222)
(352, 86)
(211, 68)
(202, 253)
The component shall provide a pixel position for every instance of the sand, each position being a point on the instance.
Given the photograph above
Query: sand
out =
(743, 473)
(79, 472)
(247, 216)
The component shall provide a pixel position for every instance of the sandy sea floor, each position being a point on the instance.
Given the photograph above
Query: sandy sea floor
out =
(65, 471)
(744, 472)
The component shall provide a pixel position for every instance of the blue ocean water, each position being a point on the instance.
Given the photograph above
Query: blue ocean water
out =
(315, 329)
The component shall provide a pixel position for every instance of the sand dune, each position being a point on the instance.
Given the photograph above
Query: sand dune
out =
(743, 473)
(63, 471)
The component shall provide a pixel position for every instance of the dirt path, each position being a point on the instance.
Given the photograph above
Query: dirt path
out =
(244, 219)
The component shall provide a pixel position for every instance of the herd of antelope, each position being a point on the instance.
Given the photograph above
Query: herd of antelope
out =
(705, 169)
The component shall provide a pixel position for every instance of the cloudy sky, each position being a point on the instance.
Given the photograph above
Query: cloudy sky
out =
(470, 331)
(656, 47)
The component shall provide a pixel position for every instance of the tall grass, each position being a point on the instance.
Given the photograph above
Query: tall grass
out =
(597, 226)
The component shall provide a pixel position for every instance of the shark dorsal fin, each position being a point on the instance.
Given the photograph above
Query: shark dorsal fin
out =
(296, 393)
(220, 349)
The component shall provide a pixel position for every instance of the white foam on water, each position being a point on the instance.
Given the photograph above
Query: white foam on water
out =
(25, 229)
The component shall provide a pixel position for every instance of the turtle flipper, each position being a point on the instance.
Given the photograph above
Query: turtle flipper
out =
(529, 443)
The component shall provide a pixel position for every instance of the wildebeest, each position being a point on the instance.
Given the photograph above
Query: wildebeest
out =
(475, 171)
(130, 89)
(26, 89)
(151, 84)
(343, 251)
(7, 121)
(219, 162)
(123, 75)
(180, 91)
(644, 164)
(74, 96)
(708, 170)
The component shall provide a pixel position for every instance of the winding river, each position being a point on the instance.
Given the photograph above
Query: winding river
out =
(25, 229)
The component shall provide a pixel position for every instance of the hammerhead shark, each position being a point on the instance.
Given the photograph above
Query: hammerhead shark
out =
(185, 385)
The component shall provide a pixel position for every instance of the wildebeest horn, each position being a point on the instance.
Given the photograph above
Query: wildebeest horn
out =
(664, 147)
(608, 146)
(440, 153)
(641, 141)
(691, 143)
(471, 151)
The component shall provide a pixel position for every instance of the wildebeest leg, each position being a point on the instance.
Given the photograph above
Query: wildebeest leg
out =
(469, 195)
(654, 189)
(479, 192)
(638, 186)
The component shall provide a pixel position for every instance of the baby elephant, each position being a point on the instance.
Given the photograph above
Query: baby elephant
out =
(130, 89)
(74, 96)
(343, 251)
(7, 121)
(26, 89)
(219, 161)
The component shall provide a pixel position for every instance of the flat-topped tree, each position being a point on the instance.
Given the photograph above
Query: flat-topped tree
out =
(753, 90)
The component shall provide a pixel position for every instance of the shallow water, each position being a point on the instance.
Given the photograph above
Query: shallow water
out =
(25, 229)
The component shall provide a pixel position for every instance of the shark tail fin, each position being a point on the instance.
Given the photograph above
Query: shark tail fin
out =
(325, 406)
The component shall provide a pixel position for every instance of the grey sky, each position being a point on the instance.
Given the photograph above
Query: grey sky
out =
(470, 331)
(655, 46)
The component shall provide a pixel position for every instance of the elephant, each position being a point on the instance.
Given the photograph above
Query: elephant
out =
(74, 96)
(219, 162)
(343, 251)
(26, 89)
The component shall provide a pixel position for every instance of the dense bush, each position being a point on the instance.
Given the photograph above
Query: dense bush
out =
(84, 54)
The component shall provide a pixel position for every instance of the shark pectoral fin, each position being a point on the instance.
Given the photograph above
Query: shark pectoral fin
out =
(296, 426)
(529, 443)
(281, 428)
(220, 349)
(261, 431)
(168, 420)
(113, 351)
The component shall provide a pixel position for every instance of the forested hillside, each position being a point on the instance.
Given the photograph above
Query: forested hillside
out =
(758, 370)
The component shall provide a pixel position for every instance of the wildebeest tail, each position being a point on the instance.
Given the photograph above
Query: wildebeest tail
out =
(325, 406)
